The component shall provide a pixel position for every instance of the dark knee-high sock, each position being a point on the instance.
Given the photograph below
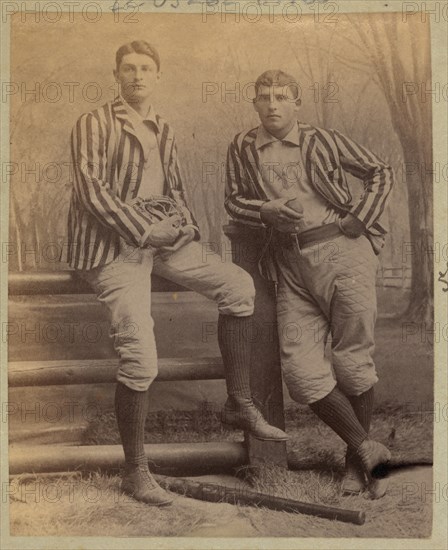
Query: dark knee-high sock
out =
(234, 338)
(336, 411)
(363, 407)
(131, 409)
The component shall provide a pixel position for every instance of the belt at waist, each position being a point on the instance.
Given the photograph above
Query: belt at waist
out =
(309, 237)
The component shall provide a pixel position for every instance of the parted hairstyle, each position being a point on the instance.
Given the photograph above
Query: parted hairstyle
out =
(137, 46)
(277, 77)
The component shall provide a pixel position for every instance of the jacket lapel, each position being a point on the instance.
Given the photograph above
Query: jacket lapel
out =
(121, 113)
(253, 168)
(164, 136)
(165, 140)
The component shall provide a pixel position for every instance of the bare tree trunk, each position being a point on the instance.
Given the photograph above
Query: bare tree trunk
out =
(15, 262)
(420, 191)
(411, 119)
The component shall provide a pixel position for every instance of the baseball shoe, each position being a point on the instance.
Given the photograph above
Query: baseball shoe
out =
(244, 414)
(354, 481)
(139, 483)
(374, 457)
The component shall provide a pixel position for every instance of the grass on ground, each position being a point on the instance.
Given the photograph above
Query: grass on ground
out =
(312, 445)
(94, 506)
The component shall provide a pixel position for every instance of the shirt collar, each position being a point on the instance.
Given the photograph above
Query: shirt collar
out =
(136, 118)
(263, 137)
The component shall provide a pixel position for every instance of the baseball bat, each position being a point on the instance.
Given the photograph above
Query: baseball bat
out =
(211, 492)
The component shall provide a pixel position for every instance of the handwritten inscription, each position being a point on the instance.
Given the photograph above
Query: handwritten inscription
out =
(443, 278)
(134, 5)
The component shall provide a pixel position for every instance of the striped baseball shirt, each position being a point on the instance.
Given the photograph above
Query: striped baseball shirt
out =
(108, 163)
(327, 156)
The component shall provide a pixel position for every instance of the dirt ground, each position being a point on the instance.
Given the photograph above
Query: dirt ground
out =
(405, 365)
(95, 507)
(247, 522)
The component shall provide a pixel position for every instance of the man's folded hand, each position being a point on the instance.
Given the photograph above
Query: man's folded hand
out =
(164, 233)
(277, 214)
(186, 235)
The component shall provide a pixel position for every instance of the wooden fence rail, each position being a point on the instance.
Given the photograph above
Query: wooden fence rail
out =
(101, 371)
(33, 283)
(265, 369)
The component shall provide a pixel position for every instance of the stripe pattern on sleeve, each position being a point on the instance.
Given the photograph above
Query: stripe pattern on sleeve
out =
(327, 156)
(107, 163)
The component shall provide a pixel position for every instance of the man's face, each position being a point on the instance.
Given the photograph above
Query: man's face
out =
(277, 108)
(137, 76)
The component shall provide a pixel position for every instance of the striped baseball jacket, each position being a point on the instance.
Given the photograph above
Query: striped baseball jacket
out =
(108, 164)
(327, 156)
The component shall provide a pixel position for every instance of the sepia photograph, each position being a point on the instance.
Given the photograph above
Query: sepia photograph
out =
(224, 274)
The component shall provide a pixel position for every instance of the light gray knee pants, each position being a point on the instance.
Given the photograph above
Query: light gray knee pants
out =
(326, 293)
(124, 287)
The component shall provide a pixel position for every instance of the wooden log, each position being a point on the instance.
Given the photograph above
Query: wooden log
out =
(266, 376)
(178, 457)
(66, 282)
(98, 371)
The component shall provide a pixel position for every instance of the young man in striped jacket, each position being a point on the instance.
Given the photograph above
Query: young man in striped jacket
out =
(121, 152)
(289, 178)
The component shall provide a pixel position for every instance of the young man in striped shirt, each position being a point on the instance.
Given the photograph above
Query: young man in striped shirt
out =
(290, 179)
(121, 152)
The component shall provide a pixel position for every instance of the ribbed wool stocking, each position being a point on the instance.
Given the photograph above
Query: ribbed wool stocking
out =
(234, 338)
(337, 412)
(131, 409)
(363, 407)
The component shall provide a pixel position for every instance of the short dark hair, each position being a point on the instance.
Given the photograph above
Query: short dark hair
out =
(137, 46)
(276, 77)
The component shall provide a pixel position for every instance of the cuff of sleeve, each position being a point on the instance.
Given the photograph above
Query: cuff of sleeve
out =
(262, 223)
(357, 217)
(352, 234)
(144, 241)
(197, 234)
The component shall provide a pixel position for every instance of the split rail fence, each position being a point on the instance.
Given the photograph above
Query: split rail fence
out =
(265, 370)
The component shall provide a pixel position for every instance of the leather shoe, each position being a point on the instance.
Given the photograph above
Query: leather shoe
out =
(374, 457)
(243, 414)
(138, 483)
(354, 481)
